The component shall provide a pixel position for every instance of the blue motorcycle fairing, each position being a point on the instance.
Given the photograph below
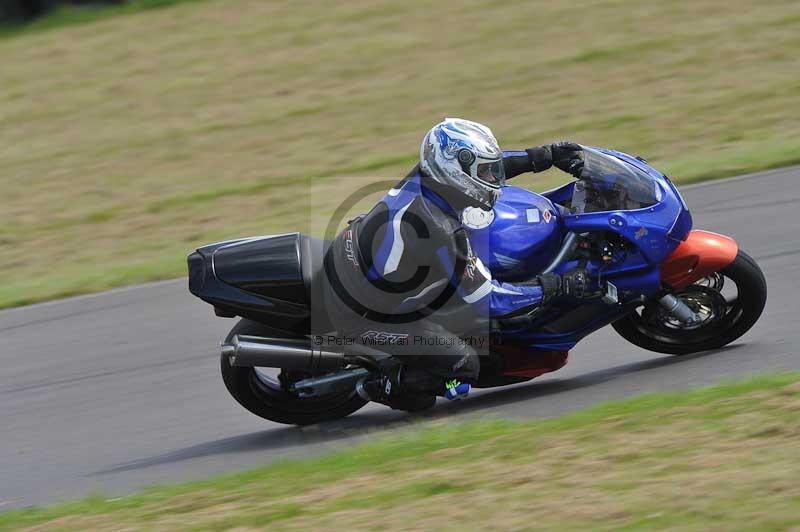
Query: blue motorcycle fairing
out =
(682, 224)
(515, 248)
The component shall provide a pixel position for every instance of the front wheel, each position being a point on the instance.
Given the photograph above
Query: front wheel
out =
(266, 394)
(729, 303)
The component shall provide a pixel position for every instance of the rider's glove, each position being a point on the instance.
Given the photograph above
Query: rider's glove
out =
(567, 156)
(575, 283)
(551, 286)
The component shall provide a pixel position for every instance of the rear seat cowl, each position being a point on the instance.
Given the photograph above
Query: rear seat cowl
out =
(269, 266)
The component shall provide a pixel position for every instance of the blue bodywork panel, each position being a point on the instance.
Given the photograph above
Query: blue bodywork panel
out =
(528, 229)
(523, 237)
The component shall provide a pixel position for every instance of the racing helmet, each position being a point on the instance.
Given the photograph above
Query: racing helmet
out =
(464, 157)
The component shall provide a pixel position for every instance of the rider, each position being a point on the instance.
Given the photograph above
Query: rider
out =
(404, 277)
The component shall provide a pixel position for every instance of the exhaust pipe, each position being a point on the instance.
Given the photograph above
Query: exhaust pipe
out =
(287, 353)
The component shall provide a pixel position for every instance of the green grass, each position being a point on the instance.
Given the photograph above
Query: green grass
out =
(127, 141)
(723, 457)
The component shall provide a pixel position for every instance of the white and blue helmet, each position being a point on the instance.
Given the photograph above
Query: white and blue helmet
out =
(464, 156)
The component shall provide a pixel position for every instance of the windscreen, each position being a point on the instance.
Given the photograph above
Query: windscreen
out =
(609, 184)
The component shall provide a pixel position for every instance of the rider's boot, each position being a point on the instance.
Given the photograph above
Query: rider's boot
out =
(411, 389)
(455, 390)
(401, 388)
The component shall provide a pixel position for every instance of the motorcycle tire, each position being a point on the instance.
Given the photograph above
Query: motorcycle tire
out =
(649, 328)
(264, 396)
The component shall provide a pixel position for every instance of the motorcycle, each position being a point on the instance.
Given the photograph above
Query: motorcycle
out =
(661, 285)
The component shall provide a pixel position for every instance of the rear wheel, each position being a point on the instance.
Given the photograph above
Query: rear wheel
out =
(728, 302)
(265, 392)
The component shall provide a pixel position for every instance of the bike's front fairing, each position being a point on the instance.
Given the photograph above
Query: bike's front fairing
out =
(628, 197)
(621, 200)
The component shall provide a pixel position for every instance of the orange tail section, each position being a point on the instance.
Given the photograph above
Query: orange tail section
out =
(700, 255)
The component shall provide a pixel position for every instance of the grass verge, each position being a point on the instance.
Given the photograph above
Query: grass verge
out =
(126, 141)
(717, 458)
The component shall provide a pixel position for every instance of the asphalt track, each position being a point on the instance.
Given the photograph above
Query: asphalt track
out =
(116, 391)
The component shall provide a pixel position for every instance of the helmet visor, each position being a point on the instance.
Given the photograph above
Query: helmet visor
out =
(491, 173)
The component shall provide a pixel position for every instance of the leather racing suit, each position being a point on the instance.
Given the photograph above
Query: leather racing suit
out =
(404, 279)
